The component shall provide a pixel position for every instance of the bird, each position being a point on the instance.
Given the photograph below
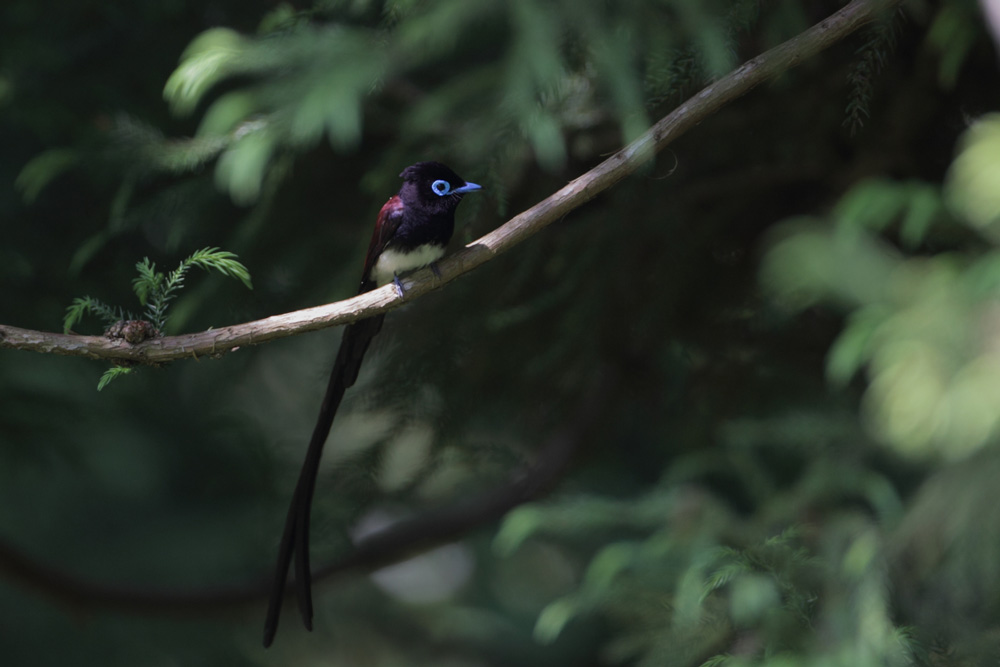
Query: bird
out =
(412, 231)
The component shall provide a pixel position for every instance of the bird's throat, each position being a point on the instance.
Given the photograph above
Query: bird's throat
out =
(394, 261)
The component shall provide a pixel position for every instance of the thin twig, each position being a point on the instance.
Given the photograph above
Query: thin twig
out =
(215, 342)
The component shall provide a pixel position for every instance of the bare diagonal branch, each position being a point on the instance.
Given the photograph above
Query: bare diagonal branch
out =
(392, 544)
(626, 161)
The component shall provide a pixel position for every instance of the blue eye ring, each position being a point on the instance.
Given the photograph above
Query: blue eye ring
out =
(441, 187)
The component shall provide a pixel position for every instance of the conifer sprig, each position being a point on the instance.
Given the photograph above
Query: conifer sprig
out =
(155, 290)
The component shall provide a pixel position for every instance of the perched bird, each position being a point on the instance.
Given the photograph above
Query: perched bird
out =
(411, 231)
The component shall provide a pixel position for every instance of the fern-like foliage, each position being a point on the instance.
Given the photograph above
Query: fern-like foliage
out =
(88, 305)
(144, 147)
(717, 661)
(871, 60)
(672, 74)
(155, 291)
(113, 373)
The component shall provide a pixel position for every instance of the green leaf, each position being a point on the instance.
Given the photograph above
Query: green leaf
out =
(209, 58)
(89, 305)
(983, 277)
(874, 204)
(87, 250)
(727, 573)
(809, 263)
(720, 660)
(852, 348)
(42, 169)
(223, 261)
(609, 563)
(924, 207)
(519, 525)
(230, 114)
(974, 178)
(953, 33)
(554, 618)
(111, 374)
(751, 596)
(242, 167)
(75, 312)
(148, 280)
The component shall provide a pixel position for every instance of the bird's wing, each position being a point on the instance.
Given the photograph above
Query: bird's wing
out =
(385, 228)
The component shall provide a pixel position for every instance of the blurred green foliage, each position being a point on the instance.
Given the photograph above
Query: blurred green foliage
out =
(799, 302)
(922, 325)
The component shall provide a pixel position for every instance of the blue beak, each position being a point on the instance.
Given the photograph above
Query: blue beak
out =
(468, 187)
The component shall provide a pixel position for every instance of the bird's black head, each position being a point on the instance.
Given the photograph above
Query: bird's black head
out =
(434, 186)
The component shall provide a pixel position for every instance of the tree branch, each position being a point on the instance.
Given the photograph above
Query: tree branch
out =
(427, 530)
(395, 543)
(216, 342)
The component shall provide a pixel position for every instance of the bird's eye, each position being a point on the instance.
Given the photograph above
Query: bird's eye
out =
(441, 187)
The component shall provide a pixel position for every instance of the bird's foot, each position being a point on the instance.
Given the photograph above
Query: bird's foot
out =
(436, 270)
(397, 283)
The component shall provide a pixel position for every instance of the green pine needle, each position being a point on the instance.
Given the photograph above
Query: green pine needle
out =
(111, 374)
(90, 306)
(147, 282)
(222, 261)
(155, 290)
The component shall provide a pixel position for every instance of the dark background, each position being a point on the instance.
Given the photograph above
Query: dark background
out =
(788, 320)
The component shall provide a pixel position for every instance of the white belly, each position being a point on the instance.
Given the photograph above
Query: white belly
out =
(392, 262)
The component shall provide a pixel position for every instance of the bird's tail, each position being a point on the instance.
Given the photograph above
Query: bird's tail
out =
(295, 539)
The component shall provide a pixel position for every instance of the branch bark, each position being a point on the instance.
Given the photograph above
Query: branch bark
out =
(216, 342)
